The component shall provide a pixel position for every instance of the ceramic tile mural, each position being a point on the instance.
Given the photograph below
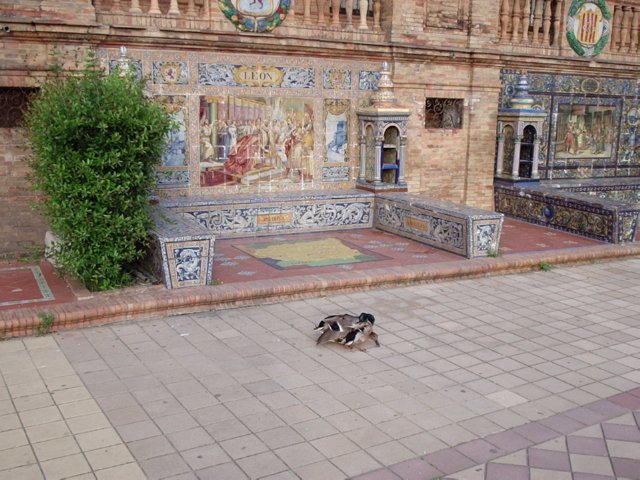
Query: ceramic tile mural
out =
(290, 122)
(134, 65)
(336, 79)
(173, 170)
(249, 140)
(176, 153)
(579, 214)
(335, 173)
(591, 125)
(368, 80)
(170, 73)
(188, 262)
(226, 75)
(585, 130)
(172, 178)
(336, 130)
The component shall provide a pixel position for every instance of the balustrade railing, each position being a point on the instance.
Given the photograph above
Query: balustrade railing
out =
(541, 23)
(535, 22)
(624, 28)
(333, 14)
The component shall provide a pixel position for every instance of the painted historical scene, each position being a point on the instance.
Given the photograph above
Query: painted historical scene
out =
(255, 140)
(585, 131)
(336, 128)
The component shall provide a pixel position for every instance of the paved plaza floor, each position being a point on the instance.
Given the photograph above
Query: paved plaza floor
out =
(526, 376)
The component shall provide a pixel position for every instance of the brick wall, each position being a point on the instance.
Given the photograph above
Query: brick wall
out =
(437, 48)
(21, 228)
(451, 164)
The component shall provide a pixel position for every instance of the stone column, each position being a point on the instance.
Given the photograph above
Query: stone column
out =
(191, 8)
(546, 22)
(321, 6)
(536, 153)
(378, 161)
(401, 158)
(625, 35)
(307, 12)
(537, 20)
(555, 41)
(362, 6)
(154, 9)
(363, 157)
(633, 41)
(335, 13)
(515, 20)
(135, 7)
(525, 21)
(504, 18)
(349, 8)
(500, 160)
(174, 8)
(516, 157)
(292, 11)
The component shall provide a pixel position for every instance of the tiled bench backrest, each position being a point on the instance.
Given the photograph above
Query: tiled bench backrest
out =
(570, 211)
(244, 215)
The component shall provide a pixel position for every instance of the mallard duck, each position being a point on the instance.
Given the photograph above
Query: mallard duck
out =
(339, 322)
(347, 329)
(359, 334)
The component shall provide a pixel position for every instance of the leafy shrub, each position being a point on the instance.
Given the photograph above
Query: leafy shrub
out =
(96, 140)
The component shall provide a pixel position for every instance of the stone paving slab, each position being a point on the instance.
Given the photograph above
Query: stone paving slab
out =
(475, 378)
(42, 402)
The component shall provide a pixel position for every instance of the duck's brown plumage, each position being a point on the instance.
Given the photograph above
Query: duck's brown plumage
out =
(336, 328)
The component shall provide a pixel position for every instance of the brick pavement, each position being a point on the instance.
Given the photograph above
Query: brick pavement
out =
(530, 375)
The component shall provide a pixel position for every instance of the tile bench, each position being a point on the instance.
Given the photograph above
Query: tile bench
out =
(467, 231)
(186, 227)
(182, 253)
(277, 213)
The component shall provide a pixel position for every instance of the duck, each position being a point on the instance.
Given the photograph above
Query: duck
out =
(347, 329)
(359, 334)
(339, 322)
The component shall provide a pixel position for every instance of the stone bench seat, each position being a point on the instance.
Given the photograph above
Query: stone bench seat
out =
(182, 254)
(460, 229)
(187, 227)
(603, 209)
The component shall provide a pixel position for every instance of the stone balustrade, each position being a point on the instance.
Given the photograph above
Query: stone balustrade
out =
(624, 28)
(535, 22)
(329, 14)
(543, 23)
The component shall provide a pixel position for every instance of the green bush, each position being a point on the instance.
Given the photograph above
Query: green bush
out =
(96, 140)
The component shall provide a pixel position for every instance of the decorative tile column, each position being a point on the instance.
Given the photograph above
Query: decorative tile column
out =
(383, 139)
(519, 130)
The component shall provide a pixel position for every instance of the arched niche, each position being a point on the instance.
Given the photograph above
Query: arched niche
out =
(518, 149)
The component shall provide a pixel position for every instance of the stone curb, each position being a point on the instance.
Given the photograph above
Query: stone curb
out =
(139, 302)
